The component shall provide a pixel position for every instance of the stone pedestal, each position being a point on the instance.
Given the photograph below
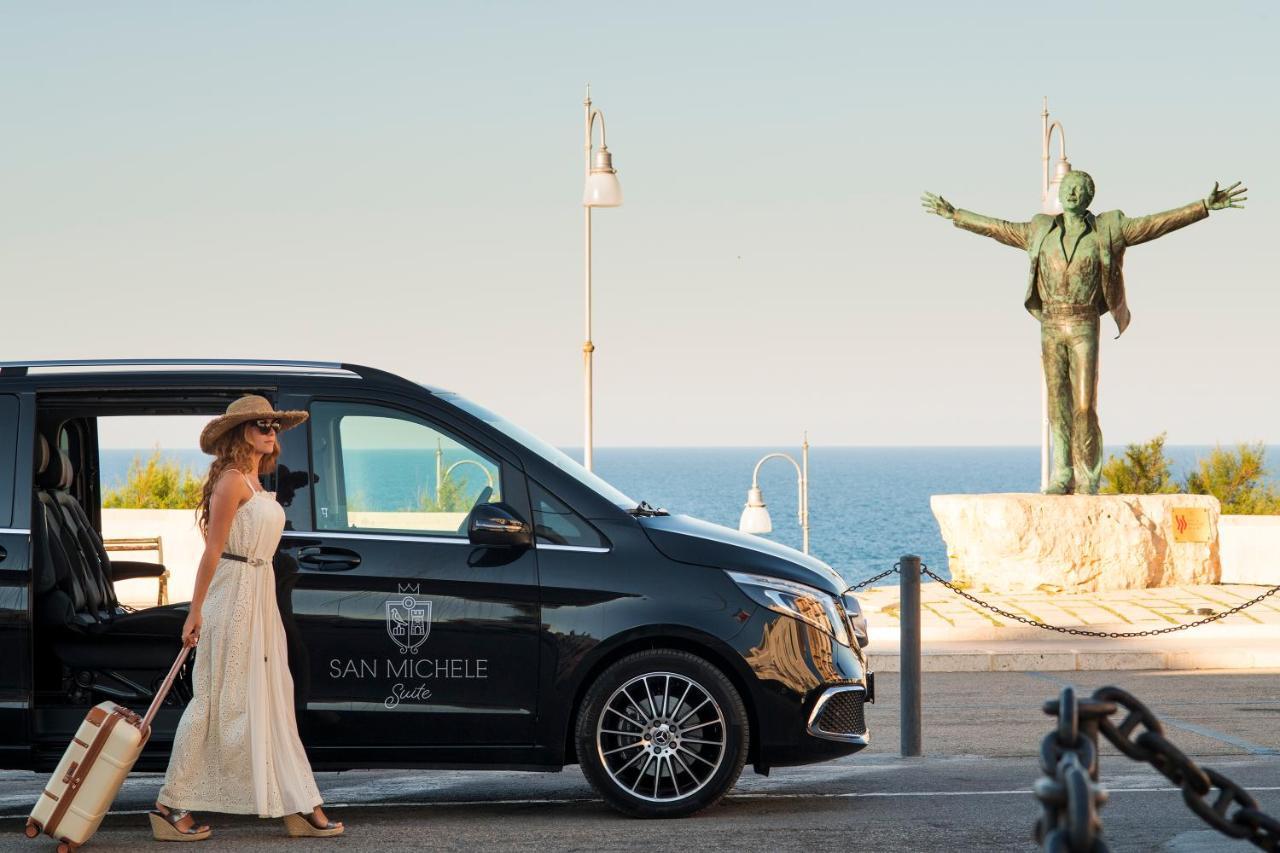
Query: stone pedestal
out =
(1074, 543)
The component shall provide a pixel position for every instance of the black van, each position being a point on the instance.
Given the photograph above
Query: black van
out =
(538, 618)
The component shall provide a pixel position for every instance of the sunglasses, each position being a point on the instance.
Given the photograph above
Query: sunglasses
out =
(265, 426)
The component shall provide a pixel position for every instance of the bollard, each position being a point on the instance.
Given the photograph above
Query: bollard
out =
(909, 654)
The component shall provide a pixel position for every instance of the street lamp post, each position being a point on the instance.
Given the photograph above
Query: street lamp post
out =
(602, 190)
(1052, 205)
(755, 515)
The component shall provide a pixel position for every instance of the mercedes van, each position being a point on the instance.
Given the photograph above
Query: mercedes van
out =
(456, 593)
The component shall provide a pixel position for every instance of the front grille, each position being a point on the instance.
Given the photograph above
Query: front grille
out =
(842, 714)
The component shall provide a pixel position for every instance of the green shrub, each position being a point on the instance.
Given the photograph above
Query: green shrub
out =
(451, 497)
(1144, 470)
(157, 483)
(1237, 478)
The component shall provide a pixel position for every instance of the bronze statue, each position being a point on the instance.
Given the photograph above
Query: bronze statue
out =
(1075, 278)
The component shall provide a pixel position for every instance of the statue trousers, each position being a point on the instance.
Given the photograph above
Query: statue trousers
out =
(1069, 348)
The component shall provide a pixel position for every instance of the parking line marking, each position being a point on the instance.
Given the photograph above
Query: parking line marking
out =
(1195, 728)
(1247, 746)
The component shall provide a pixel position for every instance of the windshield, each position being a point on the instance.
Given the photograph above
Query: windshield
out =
(551, 454)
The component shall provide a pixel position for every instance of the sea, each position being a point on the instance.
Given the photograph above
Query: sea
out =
(867, 505)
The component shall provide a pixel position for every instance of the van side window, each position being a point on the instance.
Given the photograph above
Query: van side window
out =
(555, 524)
(383, 469)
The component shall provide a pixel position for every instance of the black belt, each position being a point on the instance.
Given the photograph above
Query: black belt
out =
(256, 561)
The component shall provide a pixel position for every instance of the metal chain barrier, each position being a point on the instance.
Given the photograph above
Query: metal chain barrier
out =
(1082, 632)
(1079, 632)
(894, 570)
(1071, 796)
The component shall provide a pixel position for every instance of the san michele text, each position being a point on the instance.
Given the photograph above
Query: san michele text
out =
(417, 668)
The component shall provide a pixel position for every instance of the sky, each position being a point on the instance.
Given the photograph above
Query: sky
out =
(399, 185)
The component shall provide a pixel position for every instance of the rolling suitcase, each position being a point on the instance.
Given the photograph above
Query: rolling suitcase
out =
(93, 768)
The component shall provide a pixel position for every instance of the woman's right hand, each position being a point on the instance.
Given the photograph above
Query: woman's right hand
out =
(191, 628)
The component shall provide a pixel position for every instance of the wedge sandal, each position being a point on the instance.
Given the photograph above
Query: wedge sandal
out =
(164, 826)
(299, 825)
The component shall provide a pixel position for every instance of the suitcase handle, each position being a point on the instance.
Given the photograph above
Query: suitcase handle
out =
(145, 727)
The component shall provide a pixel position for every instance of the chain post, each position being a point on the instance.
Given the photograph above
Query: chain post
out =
(909, 655)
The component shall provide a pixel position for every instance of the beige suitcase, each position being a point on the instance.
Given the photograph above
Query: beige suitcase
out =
(93, 768)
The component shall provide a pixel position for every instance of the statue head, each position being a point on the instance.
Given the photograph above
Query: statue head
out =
(1076, 191)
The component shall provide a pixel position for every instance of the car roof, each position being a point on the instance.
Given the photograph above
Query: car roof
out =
(67, 373)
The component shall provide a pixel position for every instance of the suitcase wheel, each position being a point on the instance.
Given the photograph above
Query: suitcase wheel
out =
(31, 830)
(64, 847)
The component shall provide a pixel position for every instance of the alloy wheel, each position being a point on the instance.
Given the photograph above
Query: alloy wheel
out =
(661, 737)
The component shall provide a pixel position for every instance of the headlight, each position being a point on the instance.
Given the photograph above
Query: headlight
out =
(806, 603)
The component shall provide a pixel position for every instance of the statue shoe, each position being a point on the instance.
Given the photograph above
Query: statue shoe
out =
(1058, 487)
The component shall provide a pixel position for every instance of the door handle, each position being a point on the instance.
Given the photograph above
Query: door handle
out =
(325, 558)
(3, 553)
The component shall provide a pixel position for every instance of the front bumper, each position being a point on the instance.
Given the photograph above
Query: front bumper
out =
(808, 692)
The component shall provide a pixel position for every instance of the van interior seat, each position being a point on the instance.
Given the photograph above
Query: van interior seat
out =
(74, 584)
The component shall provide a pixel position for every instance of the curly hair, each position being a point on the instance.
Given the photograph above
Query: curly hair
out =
(231, 450)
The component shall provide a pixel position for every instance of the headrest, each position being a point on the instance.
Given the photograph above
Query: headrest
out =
(58, 473)
(42, 453)
(68, 474)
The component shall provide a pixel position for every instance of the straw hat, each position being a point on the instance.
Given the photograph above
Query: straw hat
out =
(250, 407)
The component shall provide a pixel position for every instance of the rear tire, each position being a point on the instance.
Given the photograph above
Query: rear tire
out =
(662, 733)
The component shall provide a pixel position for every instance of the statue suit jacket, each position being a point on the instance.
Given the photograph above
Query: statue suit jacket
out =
(1114, 232)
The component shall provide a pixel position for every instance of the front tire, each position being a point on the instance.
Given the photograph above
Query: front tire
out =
(662, 733)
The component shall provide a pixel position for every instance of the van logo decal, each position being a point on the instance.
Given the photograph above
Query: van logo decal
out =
(408, 622)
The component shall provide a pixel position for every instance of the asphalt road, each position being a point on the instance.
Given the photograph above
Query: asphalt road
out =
(971, 790)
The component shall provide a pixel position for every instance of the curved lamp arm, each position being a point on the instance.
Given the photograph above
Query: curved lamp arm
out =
(755, 480)
(1062, 140)
(1046, 181)
(487, 475)
(591, 123)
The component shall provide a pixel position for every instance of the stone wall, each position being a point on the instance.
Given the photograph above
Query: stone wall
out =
(183, 547)
(1250, 547)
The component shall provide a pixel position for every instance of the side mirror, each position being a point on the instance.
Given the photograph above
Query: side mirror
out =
(497, 526)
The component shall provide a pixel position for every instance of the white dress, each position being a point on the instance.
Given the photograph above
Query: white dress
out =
(237, 748)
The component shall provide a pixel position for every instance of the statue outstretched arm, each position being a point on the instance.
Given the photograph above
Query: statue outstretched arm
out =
(1140, 229)
(1013, 234)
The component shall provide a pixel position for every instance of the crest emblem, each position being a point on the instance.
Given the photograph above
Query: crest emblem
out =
(408, 622)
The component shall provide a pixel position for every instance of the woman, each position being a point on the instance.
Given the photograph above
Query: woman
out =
(237, 747)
